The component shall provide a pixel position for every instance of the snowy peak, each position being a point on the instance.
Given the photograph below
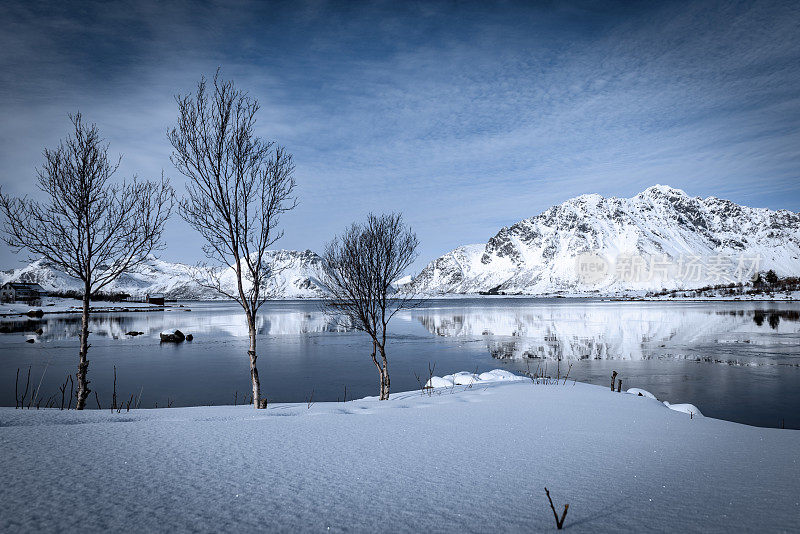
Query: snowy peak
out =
(659, 192)
(539, 254)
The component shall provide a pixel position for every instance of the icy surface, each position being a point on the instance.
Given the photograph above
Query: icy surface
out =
(451, 460)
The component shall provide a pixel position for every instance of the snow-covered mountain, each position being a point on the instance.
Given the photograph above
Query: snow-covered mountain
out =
(296, 276)
(661, 238)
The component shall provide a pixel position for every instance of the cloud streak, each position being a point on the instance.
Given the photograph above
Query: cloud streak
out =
(464, 118)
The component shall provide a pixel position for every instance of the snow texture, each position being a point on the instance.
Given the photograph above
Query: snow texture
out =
(464, 459)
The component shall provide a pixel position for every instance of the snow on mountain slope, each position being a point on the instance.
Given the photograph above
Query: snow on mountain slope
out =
(661, 238)
(296, 276)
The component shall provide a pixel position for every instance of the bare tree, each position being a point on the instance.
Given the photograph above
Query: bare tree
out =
(360, 267)
(88, 225)
(238, 187)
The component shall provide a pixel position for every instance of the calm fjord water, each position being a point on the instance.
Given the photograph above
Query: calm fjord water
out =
(735, 360)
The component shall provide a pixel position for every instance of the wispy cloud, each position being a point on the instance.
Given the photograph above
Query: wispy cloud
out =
(463, 117)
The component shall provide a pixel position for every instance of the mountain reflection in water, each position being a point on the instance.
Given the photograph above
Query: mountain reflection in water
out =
(652, 345)
(628, 331)
(228, 322)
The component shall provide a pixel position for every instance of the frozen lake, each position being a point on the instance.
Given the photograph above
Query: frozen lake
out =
(734, 360)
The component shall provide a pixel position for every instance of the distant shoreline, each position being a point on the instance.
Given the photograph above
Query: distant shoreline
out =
(61, 308)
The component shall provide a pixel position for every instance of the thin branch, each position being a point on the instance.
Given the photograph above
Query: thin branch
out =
(559, 522)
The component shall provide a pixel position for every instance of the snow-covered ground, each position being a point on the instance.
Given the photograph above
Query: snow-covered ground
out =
(472, 457)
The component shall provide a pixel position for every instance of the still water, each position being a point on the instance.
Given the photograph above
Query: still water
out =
(734, 360)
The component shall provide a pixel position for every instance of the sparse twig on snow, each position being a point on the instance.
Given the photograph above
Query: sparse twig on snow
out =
(39, 387)
(71, 387)
(16, 391)
(114, 394)
(427, 385)
(27, 385)
(567, 375)
(559, 522)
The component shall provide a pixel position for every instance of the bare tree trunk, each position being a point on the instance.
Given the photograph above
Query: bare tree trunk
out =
(384, 368)
(83, 363)
(382, 375)
(87, 226)
(251, 326)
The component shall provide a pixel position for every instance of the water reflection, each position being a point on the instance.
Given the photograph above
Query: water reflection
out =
(774, 317)
(227, 322)
(598, 331)
(652, 345)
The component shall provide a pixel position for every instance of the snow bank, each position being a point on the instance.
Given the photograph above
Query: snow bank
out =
(499, 375)
(464, 378)
(691, 409)
(469, 460)
(642, 392)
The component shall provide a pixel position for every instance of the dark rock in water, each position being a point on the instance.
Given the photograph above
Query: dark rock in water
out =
(189, 337)
(39, 331)
(35, 313)
(175, 337)
(134, 333)
(5, 330)
(29, 341)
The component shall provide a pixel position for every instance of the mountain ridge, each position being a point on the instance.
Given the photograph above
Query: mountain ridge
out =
(296, 276)
(543, 254)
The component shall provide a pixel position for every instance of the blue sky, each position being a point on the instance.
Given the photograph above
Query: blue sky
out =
(465, 117)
